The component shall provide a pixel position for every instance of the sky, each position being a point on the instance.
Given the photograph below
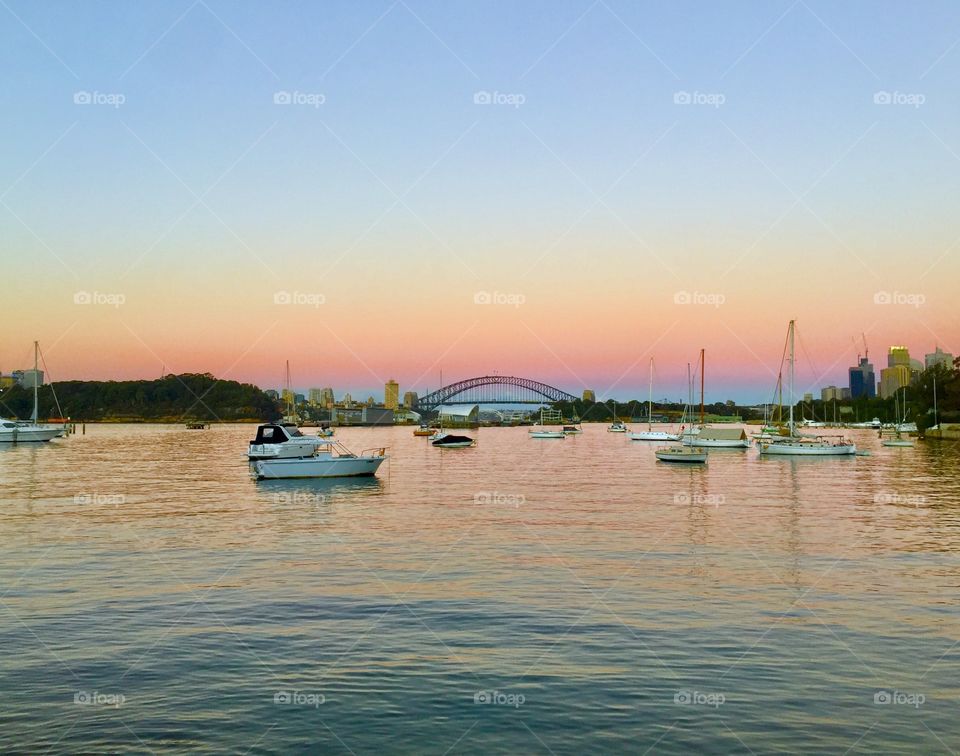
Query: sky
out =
(554, 190)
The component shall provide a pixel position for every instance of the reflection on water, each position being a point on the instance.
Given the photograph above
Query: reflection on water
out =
(602, 587)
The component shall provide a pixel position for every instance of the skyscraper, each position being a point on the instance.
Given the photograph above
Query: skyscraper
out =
(589, 396)
(391, 394)
(315, 397)
(898, 355)
(894, 378)
(862, 380)
(410, 399)
(326, 397)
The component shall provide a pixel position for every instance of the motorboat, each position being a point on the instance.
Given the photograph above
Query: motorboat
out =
(617, 427)
(282, 441)
(681, 454)
(330, 459)
(452, 441)
(572, 430)
(718, 438)
(20, 432)
(423, 430)
(546, 434)
(897, 442)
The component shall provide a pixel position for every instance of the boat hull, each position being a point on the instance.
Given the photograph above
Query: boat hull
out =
(547, 434)
(29, 435)
(654, 436)
(716, 443)
(809, 450)
(686, 458)
(315, 467)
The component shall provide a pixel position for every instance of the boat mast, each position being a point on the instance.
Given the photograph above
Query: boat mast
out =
(702, 370)
(935, 423)
(36, 349)
(650, 399)
(791, 377)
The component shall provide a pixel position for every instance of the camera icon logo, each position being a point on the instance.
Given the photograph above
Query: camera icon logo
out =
(681, 98)
(82, 697)
(882, 98)
(482, 98)
(882, 298)
(682, 497)
(282, 697)
(81, 98)
(882, 697)
(281, 98)
(282, 298)
(682, 697)
(82, 298)
(483, 298)
(483, 697)
(682, 298)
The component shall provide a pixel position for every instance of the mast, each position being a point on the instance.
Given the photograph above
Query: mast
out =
(650, 399)
(935, 401)
(36, 375)
(791, 377)
(702, 370)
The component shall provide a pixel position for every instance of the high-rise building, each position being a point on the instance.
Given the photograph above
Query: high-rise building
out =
(898, 355)
(589, 396)
(938, 357)
(862, 380)
(410, 399)
(894, 378)
(347, 400)
(326, 397)
(830, 393)
(391, 394)
(807, 398)
(287, 396)
(315, 397)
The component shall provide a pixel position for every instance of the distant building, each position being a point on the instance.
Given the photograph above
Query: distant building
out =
(326, 397)
(862, 380)
(347, 415)
(288, 396)
(830, 394)
(845, 393)
(376, 416)
(938, 357)
(893, 379)
(7, 381)
(28, 378)
(807, 398)
(299, 399)
(391, 394)
(898, 355)
(410, 399)
(589, 395)
(347, 400)
(315, 397)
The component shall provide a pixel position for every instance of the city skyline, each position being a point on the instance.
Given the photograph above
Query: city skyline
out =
(558, 199)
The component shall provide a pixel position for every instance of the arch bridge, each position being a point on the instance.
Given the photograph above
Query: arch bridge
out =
(493, 389)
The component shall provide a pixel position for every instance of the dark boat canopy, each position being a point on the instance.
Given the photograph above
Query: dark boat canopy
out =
(274, 434)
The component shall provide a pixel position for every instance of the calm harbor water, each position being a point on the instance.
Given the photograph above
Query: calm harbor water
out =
(523, 596)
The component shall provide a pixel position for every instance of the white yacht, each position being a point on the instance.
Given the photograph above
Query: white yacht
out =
(650, 434)
(329, 460)
(20, 432)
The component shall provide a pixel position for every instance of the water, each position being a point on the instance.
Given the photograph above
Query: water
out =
(585, 589)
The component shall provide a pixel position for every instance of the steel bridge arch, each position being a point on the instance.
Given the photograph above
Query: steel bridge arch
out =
(500, 389)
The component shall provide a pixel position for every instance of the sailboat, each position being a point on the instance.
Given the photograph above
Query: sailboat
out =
(16, 432)
(547, 417)
(804, 446)
(717, 438)
(898, 439)
(650, 434)
(679, 452)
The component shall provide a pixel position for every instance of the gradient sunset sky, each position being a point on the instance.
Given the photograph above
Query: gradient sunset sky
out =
(327, 183)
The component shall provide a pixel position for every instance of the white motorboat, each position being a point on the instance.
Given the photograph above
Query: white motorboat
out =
(572, 430)
(681, 454)
(796, 445)
(617, 427)
(897, 442)
(282, 441)
(546, 434)
(21, 432)
(329, 460)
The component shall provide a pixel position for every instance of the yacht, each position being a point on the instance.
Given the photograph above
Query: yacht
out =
(19, 432)
(282, 441)
(617, 427)
(547, 434)
(452, 441)
(681, 454)
(650, 434)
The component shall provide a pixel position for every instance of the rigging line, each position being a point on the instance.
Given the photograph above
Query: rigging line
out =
(46, 372)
